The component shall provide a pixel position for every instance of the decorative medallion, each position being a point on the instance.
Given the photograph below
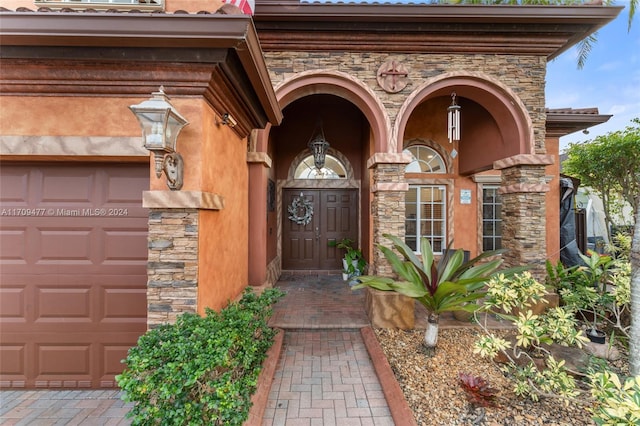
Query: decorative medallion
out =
(392, 76)
(300, 210)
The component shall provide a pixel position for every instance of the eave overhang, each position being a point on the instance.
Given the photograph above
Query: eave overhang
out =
(211, 45)
(418, 28)
(562, 122)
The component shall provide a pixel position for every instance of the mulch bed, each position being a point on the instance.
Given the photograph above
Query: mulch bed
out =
(430, 384)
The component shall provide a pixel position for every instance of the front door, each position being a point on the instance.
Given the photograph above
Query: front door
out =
(335, 216)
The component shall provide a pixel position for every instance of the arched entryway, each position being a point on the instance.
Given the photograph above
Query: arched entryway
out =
(317, 207)
(497, 177)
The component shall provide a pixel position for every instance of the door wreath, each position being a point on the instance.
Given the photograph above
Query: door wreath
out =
(300, 211)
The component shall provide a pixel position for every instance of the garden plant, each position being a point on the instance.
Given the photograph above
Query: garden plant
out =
(448, 284)
(602, 286)
(200, 370)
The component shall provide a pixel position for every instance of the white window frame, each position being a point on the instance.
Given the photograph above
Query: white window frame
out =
(497, 221)
(418, 220)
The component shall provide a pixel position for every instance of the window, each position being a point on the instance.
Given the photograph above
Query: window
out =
(491, 218)
(425, 160)
(425, 216)
(333, 169)
(104, 4)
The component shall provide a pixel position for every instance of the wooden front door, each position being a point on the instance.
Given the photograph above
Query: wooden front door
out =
(335, 216)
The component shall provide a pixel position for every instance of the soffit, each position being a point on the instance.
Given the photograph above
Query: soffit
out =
(214, 55)
(420, 28)
(564, 121)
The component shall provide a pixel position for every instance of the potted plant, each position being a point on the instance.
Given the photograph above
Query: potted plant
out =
(589, 296)
(449, 284)
(353, 263)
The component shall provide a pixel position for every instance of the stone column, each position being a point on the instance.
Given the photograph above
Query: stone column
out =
(172, 268)
(523, 191)
(173, 257)
(387, 205)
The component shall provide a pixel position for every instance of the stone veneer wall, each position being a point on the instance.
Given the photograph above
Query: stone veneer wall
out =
(172, 268)
(387, 209)
(525, 75)
(523, 217)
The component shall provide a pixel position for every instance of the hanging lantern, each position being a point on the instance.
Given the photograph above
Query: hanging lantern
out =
(318, 146)
(453, 119)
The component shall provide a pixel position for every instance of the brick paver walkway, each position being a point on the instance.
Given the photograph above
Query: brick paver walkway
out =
(63, 407)
(326, 378)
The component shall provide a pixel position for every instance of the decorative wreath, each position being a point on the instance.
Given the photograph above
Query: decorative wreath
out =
(300, 211)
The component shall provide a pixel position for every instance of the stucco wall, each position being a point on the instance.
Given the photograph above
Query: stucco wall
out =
(223, 243)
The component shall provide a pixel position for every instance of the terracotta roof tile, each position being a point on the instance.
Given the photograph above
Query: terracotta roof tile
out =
(573, 111)
(224, 9)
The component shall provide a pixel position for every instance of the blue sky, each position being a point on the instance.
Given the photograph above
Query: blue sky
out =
(609, 81)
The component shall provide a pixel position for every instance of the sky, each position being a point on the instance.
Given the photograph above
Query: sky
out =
(609, 81)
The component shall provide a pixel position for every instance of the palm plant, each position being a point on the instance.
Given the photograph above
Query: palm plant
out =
(449, 284)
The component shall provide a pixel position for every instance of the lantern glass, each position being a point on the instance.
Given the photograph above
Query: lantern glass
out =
(319, 147)
(160, 122)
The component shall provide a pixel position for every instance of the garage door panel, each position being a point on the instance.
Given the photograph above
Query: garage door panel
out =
(73, 281)
(66, 186)
(112, 356)
(120, 190)
(124, 304)
(124, 244)
(12, 360)
(69, 304)
(13, 247)
(12, 303)
(66, 246)
(67, 360)
(14, 187)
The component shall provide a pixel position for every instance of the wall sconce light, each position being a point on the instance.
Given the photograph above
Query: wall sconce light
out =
(318, 146)
(453, 119)
(161, 123)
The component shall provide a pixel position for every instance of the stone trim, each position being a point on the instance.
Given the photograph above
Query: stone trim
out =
(487, 179)
(172, 267)
(390, 186)
(524, 160)
(73, 145)
(388, 158)
(182, 200)
(259, 157)
(524, 187)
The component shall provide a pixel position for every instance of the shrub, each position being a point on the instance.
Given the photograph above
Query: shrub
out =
(200, 370)
(617, 403)
(533, 334)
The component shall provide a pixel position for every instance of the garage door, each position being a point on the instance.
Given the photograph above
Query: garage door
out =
(73, 253)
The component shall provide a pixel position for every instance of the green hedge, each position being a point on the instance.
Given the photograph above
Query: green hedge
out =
(200, 370)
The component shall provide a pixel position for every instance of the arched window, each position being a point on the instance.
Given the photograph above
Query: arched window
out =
(425, 203)
(333, 169)
(425, 160)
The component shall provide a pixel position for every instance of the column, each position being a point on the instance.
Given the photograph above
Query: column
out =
(523, 190)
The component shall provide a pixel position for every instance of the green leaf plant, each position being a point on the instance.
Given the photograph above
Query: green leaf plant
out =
(200, 370)
(447, 284)
(527, 359)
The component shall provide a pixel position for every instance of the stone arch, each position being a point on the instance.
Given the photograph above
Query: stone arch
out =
(499, 100)
(343, 85)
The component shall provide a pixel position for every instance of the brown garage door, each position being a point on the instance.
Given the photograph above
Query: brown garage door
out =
(73, 253)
